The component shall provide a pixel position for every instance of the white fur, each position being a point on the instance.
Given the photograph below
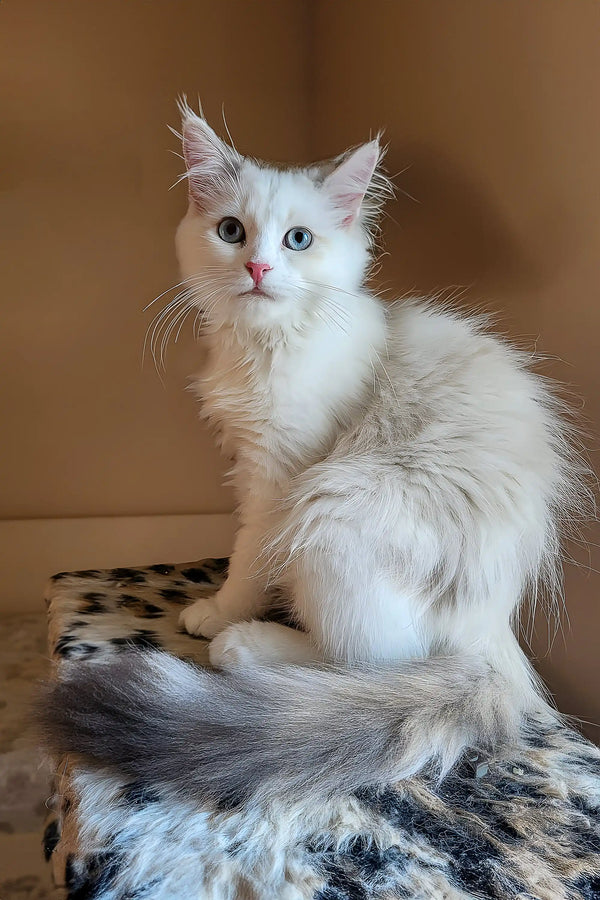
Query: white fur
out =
(400, 473)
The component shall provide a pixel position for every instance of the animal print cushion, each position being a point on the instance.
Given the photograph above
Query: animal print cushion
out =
(525, 826)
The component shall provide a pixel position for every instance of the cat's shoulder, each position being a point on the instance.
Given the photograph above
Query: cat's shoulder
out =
(432, 317)
(432, 327)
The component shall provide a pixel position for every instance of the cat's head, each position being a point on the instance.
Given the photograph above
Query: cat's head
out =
(268, 249)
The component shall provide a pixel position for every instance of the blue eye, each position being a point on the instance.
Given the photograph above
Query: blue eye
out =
(231, 230)
(298, 239)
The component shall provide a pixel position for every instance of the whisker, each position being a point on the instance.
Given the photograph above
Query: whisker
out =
(157, 323)
(162, 323)
(340, 290)
(186, 281)
(329, 312)
(180, 317)
(197, 290)
(168, 291)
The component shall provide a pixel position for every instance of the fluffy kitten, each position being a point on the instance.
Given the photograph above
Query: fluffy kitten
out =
(401, 478)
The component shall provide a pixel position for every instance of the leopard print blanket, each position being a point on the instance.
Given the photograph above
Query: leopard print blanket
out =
(525, 826)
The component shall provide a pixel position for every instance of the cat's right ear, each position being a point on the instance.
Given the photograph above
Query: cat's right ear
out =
(208, 159)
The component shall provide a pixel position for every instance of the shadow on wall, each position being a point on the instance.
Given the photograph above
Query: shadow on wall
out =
(447, 222)
(447, 226)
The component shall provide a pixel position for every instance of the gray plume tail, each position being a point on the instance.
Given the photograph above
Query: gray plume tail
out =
(229, 736)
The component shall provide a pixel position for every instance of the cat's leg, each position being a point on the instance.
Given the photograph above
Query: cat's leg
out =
(345, 575)
(262, 643)
(373, 576)
(351, 607)
(243, 595)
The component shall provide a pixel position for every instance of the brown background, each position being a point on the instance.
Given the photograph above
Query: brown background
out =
(491, 108)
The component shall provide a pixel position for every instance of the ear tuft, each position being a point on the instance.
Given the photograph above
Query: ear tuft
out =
(209, 161)
(357, 187)
(349, 181)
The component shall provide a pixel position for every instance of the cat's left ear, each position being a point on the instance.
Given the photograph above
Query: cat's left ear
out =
(350, 180)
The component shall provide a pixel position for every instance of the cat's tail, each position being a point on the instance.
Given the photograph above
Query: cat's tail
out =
(225, 737)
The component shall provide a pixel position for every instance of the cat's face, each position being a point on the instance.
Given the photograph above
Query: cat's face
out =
(271, 250)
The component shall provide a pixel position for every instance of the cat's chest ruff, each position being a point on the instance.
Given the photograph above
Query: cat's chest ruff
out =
(267, 407)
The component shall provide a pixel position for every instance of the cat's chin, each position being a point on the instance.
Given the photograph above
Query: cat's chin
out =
(264, 314)
(256, 295)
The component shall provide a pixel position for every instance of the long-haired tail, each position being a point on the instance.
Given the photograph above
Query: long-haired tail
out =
(229, 736)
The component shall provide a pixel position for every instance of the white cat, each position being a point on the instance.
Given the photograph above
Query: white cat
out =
(401, 479)
(411, 469)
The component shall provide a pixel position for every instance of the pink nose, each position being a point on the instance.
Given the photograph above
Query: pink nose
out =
(257, 270)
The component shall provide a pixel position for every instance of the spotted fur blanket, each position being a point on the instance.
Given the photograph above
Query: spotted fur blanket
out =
(525, 826)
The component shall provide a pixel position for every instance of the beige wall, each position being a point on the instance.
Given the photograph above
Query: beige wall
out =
(87, 235)
(492, 106)
(492, 109)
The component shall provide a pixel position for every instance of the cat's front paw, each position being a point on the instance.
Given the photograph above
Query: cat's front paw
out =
(258, 643)
(234, 646)
(203, 618)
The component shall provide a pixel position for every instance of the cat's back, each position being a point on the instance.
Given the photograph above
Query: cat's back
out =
(450, 392)
(437, 351)
(447, 362)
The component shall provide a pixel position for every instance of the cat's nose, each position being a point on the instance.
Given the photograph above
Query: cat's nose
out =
(257, 270)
